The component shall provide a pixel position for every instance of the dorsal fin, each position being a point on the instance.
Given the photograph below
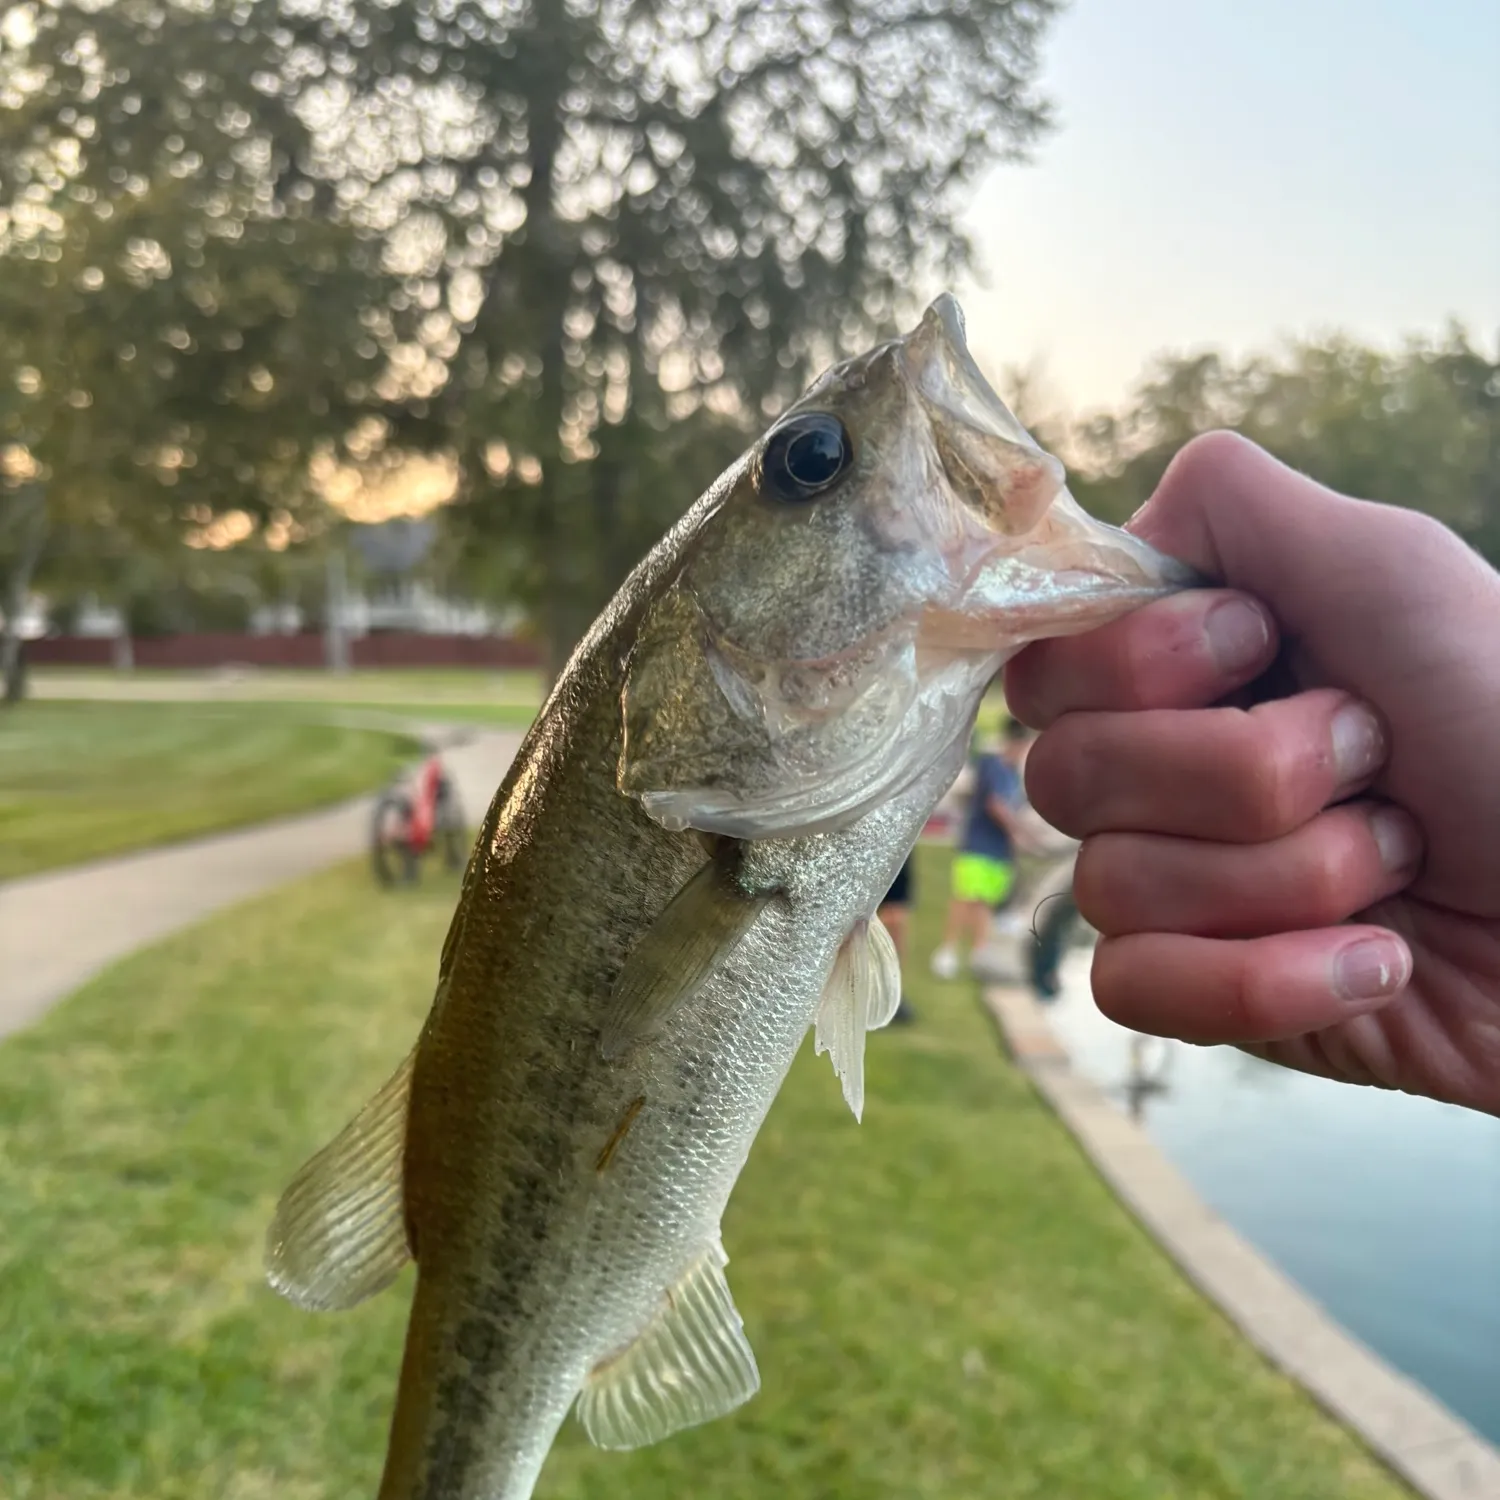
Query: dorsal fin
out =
(339, 1234)
(692, 1363)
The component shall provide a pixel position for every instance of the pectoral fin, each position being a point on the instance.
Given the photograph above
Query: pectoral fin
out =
(862, 994)
(679, 952)
(691, 1364)
(339, 1234)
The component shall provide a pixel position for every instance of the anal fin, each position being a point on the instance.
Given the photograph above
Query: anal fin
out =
(339, 1234)
(678, 953)
(691, 1364)
(862, 994)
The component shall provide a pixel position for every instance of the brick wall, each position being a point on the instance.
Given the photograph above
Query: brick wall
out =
(204, 652)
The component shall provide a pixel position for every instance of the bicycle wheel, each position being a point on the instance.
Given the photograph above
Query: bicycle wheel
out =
(391, 854)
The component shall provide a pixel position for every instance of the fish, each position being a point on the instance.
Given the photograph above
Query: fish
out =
(676, 881)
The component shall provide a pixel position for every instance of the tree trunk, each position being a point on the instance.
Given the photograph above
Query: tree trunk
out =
(335, 622)
(31, 537)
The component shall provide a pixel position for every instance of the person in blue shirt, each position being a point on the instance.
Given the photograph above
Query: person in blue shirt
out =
(984, 868)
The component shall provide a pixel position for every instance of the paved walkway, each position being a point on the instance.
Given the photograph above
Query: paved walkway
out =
(1419, 1438)
(58, 930)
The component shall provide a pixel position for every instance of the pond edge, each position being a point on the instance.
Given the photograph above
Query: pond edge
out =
(1406, 1427)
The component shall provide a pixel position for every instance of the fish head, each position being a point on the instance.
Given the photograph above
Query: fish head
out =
(844, 594)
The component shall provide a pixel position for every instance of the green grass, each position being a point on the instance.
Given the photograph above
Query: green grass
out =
(503, 715)
(945, 1301)
(81, 780)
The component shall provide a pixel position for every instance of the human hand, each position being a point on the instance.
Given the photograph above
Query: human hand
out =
(1314, 882)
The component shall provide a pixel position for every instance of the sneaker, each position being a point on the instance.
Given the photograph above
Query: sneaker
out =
(1011, 924)
(945, 963)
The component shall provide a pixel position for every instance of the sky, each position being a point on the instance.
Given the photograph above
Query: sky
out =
(1230, 172)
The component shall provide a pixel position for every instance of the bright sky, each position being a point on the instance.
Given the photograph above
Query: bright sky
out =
(1230, 171)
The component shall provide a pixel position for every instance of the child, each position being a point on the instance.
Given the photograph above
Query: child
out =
(984, 868)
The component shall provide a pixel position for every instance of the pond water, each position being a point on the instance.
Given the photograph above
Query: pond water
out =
(1385, 1208)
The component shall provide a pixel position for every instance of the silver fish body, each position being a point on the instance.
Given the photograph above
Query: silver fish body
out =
(676, 881)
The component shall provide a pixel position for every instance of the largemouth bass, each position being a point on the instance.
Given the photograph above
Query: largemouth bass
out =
(676, 880)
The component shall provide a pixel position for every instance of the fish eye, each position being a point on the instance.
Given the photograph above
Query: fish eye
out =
(804, 456)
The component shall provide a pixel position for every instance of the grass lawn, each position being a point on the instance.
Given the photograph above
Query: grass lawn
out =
(501, 715)
(82, 780)
(945, 1302)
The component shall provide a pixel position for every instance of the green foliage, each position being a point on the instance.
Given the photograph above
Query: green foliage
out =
(181, 321)
(1418, 426)
(633, 214)
(535, 236)
(945, 1300)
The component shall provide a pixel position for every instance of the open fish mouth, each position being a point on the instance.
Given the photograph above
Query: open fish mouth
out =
(1031, 561)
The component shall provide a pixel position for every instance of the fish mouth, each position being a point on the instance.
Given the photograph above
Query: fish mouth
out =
(1029, 561)
(941, 367)
(998, 471)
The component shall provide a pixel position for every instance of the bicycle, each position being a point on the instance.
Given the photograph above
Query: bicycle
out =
(412, 818)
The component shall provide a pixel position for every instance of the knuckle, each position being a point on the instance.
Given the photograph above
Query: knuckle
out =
(1202, 458)
(1331, 878)
(1273, 776)
(1136, 663)
(1258, 1004)
(1093, 886)
(1058, 775)
(1418, 528)
(1417, 537)
(1029, 678)
(1108, 981)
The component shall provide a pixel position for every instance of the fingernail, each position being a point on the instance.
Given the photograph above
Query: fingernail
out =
(1238, 635)
(1370, 968)
(1396, 837)
(1358, 744)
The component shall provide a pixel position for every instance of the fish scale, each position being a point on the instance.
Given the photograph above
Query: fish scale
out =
(677, 879)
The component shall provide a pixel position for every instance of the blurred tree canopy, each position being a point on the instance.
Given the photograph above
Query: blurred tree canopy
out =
(613, 216)
(1417, 426)
(574, 243)
(182, 323)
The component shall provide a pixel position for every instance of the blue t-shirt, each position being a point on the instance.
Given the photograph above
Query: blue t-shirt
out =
(994, 776)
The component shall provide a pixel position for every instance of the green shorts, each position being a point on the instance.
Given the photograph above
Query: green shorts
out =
(976, 877)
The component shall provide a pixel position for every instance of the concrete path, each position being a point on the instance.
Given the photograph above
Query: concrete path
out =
(59, 929)
(1438, 1455)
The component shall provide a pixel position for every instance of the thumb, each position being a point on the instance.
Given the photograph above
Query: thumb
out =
(1315, 557)
(1352, 583)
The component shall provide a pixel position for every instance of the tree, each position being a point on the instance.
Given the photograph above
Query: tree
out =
(181, 324)
(1418, 426)
(1121, 456)
(612, 215)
